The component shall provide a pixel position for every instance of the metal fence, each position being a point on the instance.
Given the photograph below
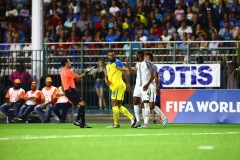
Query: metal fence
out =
(43, 63)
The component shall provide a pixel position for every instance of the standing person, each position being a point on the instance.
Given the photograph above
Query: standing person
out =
(145, 76)
(62, 104)
(32, 98)
(115, 72)
(14, 100)
(100, 75)
(155, 91)
(67, 79)
(47, 101)
(22, 75)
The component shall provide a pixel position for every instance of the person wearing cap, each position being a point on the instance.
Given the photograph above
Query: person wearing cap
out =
(47, 101)
(67, 79)
(62, 104)
(14, 100)
(32, 98)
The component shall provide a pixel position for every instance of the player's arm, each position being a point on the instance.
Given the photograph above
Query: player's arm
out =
(132, 71)
(157, 82)
(152, 76)
(125, 77)
(81, 76)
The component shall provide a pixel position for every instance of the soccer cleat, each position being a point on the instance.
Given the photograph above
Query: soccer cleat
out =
(144, 126)
(137, 124)
(77, 123)
(84, 126)
(165, 122)
(113, 126)
(154, 121)
(133, 122)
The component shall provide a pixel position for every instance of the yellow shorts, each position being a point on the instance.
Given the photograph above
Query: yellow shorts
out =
(117, 92)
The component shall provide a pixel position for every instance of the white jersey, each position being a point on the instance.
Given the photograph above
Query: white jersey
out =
(30, 94)
(61, 99)
(153, 85)
(15, 94)
(143, 69)
(48, 94)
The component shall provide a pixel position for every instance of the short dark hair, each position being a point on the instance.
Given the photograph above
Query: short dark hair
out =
(150, 56)
(64, 61)
(111, 51)
(141, 53)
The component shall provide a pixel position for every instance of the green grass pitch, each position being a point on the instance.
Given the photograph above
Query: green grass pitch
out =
(67, 142)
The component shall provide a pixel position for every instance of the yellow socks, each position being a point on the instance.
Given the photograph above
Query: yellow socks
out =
(125, 112)
(115, 111)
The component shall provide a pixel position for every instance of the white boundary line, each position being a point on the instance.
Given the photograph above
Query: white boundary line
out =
(30, 137)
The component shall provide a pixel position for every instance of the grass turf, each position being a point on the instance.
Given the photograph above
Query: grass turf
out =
(65, 141)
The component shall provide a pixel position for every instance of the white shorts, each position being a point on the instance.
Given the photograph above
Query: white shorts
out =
(152, 93)
(139, 92)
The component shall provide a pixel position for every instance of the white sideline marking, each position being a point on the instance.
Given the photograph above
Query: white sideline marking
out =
(29, 137)
(206, 147)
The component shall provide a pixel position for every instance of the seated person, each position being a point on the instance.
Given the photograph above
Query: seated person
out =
(62, 104)
(14, 100)
(32, 99)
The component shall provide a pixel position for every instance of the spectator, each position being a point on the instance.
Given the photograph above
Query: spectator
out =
(195, 8)
(100, 75)
(75, 6)
(184, 28)
(114, 8)
(14, 100)
(213, 45)
(24, 12)
(11, 13)
(231, 76)
(62, 103)
(178, 14)
(21, 74)
(220, 10)
(234, 29)
(32, 98)
(47, 101)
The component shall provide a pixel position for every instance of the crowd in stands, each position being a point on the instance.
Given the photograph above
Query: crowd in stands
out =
(118, 21)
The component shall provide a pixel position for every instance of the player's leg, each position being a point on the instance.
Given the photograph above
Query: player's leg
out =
(158, 111)
(136, 102)
(146, 109)
(115, 109)
(123, 109)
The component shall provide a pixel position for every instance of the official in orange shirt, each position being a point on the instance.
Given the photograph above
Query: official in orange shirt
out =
(67, 79)
(14, 100)
(47, 101)
(32, 98)
(62, 104)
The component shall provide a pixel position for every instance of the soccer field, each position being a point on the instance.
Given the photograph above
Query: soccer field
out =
(64, 141)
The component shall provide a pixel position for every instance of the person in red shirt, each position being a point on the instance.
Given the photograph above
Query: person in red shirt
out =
(67, 79)
(14, 100)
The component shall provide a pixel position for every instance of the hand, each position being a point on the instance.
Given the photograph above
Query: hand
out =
(107, 82)
(145, 87)
(126, 61)
(44, 106)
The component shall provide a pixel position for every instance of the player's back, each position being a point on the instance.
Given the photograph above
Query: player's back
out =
(143, 72)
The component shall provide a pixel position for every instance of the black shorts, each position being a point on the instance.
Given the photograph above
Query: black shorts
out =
(73, 96)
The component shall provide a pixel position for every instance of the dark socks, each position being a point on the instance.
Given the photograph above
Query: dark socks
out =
(81, 114)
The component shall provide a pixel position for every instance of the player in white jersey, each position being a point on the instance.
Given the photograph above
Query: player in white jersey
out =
(154, 90)
(144, 72)
(47, 101)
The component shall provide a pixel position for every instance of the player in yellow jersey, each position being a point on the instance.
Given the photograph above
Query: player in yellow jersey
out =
(114, 80)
